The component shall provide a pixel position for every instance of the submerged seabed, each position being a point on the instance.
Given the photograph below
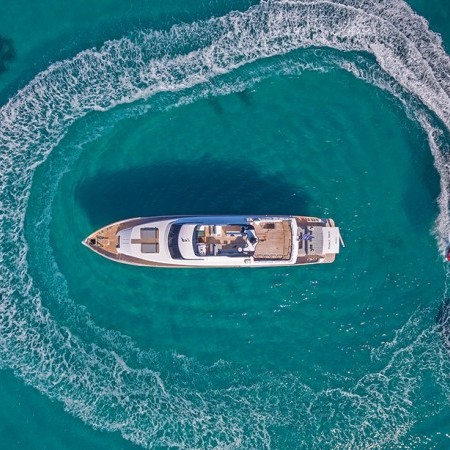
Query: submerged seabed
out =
(158, 399)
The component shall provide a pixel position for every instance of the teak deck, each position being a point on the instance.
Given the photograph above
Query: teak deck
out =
(275, 242)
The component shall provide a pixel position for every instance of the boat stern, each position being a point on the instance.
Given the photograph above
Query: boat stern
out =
(319, 240)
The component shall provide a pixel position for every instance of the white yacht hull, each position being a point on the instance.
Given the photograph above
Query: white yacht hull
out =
(218, 241)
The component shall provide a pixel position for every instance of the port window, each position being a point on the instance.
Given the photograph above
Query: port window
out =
(150, 248)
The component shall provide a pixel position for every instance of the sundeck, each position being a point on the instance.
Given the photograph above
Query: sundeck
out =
(218, 241)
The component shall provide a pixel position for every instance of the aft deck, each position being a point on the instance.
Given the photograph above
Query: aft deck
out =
(274, 240)
(306, 255)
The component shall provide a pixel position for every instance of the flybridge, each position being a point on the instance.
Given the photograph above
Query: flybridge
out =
(218, 241)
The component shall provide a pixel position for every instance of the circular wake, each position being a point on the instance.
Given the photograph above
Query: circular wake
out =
(97, 384)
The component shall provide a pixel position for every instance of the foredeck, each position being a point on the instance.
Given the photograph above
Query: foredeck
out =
(106, 238)
(106, 242)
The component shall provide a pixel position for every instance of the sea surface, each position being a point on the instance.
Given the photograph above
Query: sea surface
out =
(112, 109)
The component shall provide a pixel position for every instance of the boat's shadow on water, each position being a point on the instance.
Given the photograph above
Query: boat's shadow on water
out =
(205, 186)
(7, 53)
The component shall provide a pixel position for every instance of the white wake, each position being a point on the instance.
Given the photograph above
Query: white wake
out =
(97, 385)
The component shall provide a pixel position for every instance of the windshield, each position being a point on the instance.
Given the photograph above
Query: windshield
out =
(173, 241)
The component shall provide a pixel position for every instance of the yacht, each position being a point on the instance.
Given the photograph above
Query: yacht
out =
(218, 241)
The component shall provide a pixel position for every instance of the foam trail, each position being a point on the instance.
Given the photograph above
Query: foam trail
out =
(98, 385)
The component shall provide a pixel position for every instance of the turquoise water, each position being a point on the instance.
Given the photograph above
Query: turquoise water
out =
(336, 109)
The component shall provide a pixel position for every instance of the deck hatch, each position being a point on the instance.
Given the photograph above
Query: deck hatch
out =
(150, 248)
(149, 233)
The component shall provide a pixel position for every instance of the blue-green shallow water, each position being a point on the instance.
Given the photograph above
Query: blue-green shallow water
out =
(350, 355)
